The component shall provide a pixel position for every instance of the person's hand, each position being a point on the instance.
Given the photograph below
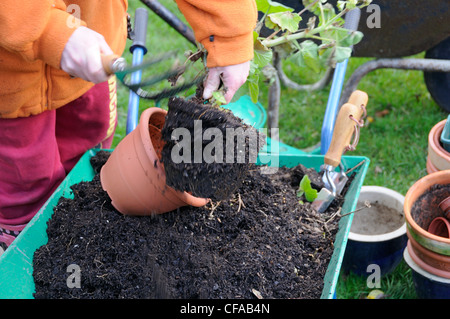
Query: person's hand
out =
(82, 55)
(232, 76)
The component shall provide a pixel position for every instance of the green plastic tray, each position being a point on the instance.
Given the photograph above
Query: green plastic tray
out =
(251, 113)
(16, 264)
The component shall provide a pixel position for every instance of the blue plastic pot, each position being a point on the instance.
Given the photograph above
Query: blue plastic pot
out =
(427, 285)
(383, 249)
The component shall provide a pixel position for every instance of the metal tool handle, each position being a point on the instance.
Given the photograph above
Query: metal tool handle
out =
(140, 30)
(344, 127)
(351, 24)
(113, 63)
(138, 49)
(171, 19)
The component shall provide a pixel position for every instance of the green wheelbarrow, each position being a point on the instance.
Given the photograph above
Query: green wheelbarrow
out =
(16, 264)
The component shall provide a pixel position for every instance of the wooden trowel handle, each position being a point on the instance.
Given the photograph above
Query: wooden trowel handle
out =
(108, 63)
(358, 98)
(345, 126)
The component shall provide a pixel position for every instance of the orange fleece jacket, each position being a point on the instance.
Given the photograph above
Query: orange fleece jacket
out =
(224, 28)
(33, 34)
(32, 40)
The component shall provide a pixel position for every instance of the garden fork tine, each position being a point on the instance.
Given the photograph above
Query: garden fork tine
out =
(117, 65)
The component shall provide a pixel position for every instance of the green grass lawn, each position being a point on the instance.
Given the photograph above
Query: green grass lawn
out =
(395, 141)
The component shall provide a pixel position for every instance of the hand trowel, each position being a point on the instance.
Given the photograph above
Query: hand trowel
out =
(347, 122)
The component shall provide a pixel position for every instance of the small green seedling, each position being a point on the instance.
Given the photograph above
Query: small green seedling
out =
(305, 189)
(219, 98)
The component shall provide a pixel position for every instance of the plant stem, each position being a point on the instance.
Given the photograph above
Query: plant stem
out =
(288, 38)
(320, 38)
(273, 34)
(261, 21)
(304, 34)
(321, 11)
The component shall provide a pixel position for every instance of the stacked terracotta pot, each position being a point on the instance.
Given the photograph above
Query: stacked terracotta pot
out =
(438, 158)
(428, 229)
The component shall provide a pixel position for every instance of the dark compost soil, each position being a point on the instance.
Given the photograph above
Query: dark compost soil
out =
(429, 202)
(261, 242)
(217, 153)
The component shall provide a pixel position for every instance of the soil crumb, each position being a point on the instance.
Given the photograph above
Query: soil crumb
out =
(426, 208)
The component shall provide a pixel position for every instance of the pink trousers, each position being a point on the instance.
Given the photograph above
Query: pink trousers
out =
(37, 152)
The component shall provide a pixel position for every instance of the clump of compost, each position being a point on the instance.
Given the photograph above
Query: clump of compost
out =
(208, 151)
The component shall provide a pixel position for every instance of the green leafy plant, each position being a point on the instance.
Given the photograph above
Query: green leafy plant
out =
(325, 41)
(320, 45)
(305, 189)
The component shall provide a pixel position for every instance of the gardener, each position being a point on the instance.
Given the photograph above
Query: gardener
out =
(56, 100)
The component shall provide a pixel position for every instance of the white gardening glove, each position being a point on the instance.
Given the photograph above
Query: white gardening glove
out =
(82, 55)
(232, 76)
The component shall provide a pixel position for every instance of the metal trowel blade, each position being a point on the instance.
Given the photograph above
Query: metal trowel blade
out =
(326, 195)
(338, 178)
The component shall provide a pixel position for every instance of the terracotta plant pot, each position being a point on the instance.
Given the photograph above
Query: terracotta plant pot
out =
(429, 257)
(438, 158)
(445, 207)
(440, 226)
(134, 176)
(418, 223)
(431, 269)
